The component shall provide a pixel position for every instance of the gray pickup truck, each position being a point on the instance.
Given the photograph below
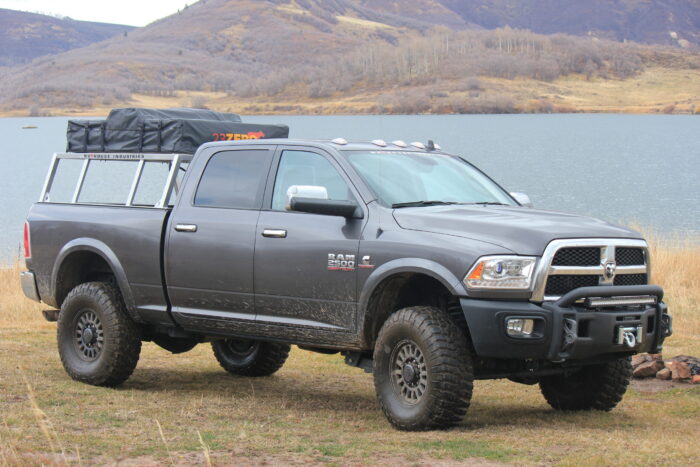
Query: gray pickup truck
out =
(408, 261)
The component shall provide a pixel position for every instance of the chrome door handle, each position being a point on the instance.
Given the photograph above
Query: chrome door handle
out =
(274, 233)
(186, 227)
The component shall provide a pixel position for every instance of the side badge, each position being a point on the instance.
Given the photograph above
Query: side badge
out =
(341, 262)
(366, 263)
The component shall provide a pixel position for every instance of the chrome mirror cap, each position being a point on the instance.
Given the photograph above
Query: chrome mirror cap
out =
(305, 191)
(523, 199)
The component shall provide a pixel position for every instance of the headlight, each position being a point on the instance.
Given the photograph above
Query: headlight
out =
(501, 272)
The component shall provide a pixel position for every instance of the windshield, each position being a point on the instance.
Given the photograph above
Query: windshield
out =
(401, 179)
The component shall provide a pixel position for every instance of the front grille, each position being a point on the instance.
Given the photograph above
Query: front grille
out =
(630, 279)
(576, 263)
(626, 256)
(583, 256)
(561, 284)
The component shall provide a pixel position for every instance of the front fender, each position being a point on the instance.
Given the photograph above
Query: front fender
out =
(105, 252)
(415, 265)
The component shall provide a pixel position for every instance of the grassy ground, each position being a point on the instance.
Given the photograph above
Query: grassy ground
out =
(184, 409)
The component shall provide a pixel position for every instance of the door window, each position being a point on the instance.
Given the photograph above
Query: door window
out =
(234, 179)
(307, 169)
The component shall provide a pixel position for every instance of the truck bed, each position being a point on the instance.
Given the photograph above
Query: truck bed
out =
(127, 238)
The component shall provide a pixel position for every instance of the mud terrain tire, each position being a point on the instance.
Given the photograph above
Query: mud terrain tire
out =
(423, 372)
(98, 342)
(250, 358)
(594, 387)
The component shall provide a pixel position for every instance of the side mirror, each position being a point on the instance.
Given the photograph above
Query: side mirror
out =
(314, 200)
(305, 191)
(523, 199)
(329, 207)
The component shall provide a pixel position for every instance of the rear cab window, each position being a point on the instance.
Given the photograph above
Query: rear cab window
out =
(234, 179)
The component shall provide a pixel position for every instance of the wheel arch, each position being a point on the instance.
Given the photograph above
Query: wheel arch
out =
(400, 283)
(84, 260)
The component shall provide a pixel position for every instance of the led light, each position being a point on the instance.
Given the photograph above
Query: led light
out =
(619, 301)
(520, 327)
(501, 272)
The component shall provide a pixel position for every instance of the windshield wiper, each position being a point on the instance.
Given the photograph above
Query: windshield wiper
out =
(411, 204)
(490, 203)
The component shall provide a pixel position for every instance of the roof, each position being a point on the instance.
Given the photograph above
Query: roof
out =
(338, 144)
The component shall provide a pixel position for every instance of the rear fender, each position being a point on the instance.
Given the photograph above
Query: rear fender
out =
(105, 252)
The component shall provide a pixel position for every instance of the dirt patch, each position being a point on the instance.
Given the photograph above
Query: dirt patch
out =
(652, 385)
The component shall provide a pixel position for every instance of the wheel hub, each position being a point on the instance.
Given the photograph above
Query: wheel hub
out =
(409, 372)
(89, 335)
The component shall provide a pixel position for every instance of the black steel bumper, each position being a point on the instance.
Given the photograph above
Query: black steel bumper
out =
(566, 329)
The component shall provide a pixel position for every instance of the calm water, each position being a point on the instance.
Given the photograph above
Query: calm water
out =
(623, 168)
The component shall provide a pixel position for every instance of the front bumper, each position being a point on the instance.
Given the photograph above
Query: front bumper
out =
(28, 281)
(566, 329)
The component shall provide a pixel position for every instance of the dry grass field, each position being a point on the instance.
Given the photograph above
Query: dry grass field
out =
(183, 409)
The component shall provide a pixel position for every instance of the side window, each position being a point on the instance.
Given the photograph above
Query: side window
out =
(307, 168)
(234, 179)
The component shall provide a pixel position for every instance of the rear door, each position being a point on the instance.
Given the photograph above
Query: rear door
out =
(305, 264)
(211, 239)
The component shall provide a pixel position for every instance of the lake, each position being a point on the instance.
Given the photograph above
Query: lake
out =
(631, 169)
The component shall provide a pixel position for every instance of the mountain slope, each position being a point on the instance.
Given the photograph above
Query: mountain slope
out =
(25, 36)
(234, 53)
(668, 22)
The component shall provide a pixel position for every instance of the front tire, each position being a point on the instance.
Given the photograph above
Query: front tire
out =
(423, 372)
(98, 342)
(594, 387)
(250, 358)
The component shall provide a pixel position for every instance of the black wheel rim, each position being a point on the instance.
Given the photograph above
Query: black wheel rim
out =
(409, 372)
(240, 348)
(89, 335)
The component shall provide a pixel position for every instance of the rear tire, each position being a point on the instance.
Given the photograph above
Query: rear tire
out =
(423, 371)
(594, 387)
(98, 342)
(250, 358)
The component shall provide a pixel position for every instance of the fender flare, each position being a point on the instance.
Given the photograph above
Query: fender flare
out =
(92, 245)
(403, 265)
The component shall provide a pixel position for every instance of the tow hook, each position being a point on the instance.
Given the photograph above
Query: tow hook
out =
(629, 336)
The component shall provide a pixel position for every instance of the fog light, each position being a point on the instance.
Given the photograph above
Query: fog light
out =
(520, 327)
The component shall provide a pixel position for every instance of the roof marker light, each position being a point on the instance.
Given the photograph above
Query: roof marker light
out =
(399, 143)
(418, 145)
(379, 142)
(340, 141)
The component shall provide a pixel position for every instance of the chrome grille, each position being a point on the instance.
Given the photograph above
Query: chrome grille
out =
(625, 256)
(630, 279)
(569, 264)
(586, 256)
(559, 285)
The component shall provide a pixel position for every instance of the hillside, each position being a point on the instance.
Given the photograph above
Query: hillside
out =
(675, 22)
(349, 56)
(26, 36)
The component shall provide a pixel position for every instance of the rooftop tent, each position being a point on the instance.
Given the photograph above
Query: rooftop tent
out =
(163, 131)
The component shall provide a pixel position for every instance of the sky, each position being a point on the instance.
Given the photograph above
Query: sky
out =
(131, 12)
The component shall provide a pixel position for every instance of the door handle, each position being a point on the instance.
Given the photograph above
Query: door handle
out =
(186, 227)
(274, 233)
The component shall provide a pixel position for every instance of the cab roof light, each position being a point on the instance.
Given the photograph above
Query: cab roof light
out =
(340, 141)
(379, 142)
(399, 143)
(418, 145)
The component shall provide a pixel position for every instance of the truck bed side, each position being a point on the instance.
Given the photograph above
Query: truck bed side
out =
(73, 243)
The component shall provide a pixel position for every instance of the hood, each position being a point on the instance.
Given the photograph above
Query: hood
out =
(524, 231)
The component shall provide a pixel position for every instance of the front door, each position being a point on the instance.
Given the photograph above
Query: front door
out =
(211, 240)
(305, 264)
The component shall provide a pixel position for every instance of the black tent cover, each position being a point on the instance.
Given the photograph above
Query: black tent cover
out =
(182, 131)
